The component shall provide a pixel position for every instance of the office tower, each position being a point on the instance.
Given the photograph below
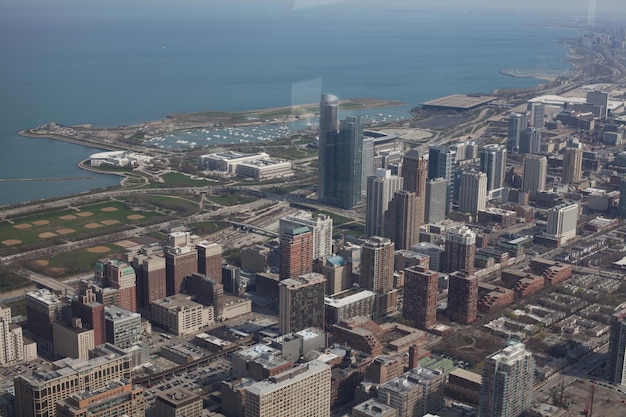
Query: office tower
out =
(122, 277)
(296, 252)
(377, 264)
(416, 393)
(11, 340)
(535, 173)
(327, 133)
(36, 395)
(562, 221)
(91, 313)
(507, 383)
(321, 226)
(340, 157)
(441, 161)
(368, 166)
(207, 291)
(460, 250)
(472, 192)
(420, 296)
(599, 98)
(380, 191)
(462, 297)
(301, 391)
(530, 141)
(117, 398)
(537, 115)
(493, 163)
(123, 327)
(401, 220)
(149, 264)
(572, 165)
(301, 302)
(616, 365)
(517, 123)
(415, 174)
(178, 402)
(42, 308)
(210, 260)
(436, 200)
(179, 262)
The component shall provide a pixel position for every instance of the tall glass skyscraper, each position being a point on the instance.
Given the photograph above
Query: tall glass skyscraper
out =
(340, 156)
(441, 160)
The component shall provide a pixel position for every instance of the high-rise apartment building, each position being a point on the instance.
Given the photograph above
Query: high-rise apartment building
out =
(537, 114)
(301, 302)
(401, 220)
(37, 395)
(321, 226)
(472, 192)
(462, 297)
(535, 173)
(380, 191)
(517, 123)
(436, 200)
(572, 166)
(301, 391)
(616, 366)
(420, 296)
(562, 221)
(149, 264)
(493, 163)
(377, 264)
(441, 160)
(336, 271)
(340, 156)
(210, 260)
(507, 383)
(179, 262)
(368, 163)
(530, 140)
(11, 340)
(460, 250)
(296, 252)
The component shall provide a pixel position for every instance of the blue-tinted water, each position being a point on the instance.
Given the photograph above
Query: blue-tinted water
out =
(113, 64)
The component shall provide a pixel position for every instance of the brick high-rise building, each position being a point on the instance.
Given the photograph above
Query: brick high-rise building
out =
(296, 252)
(321, 226)
(149, 266)
(91, 312)
(420, 296)
(207, 291)
(462, 297)
(301, 302)
(122, 277)
(210, 260)
(179, 262)
(377, 264)
(460, 250)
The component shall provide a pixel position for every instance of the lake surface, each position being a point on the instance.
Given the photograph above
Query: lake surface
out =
(115, 64)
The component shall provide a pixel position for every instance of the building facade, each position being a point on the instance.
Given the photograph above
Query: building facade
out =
(535, 173)
(441, 161)
(462, 297)
(402, 219)
(296, 252)
(472, 192)
(321, 226)
(493, 163)
(380, 192)
(301, 302)
(420, 296)
(210, 260)
(616, 366)
(507, 383)
(460, 250)
(436, 200)
(572, 166)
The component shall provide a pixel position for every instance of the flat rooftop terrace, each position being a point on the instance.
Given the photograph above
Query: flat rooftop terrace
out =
(459, 102)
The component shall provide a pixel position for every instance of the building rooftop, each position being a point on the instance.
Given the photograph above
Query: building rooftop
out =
(373, 408)
(118, 313)
(177, 397)
(286, 378)
(347, 297)
(460, 101)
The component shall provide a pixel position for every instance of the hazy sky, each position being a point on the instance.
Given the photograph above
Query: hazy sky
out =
(153, 8)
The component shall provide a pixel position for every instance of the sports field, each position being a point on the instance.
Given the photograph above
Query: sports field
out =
(68, 223)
